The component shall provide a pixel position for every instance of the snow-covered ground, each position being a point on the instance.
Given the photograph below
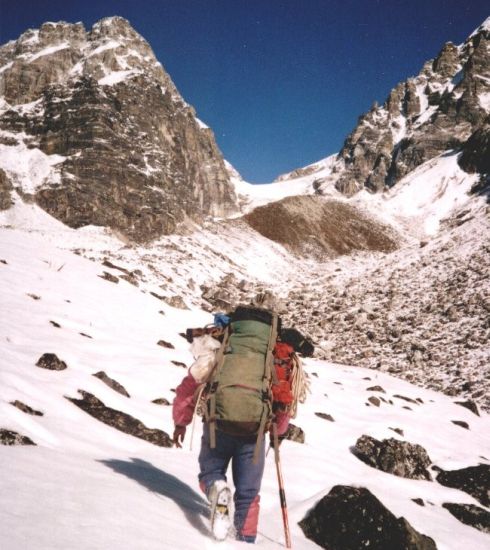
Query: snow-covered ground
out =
(415, 205)
(85, 485)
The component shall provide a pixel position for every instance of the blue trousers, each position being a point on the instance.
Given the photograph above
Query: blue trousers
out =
(247, 476)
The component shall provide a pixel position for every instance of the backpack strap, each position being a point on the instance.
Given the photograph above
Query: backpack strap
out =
(269, 374)
(218, 364)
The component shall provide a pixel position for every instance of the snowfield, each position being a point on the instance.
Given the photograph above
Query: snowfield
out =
(86, 485)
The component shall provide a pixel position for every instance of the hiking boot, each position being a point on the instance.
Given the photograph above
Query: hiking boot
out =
(219, 496)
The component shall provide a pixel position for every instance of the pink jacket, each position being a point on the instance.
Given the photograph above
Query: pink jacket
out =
(185, 402)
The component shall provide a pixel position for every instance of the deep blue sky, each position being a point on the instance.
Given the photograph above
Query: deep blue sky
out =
(281, 82)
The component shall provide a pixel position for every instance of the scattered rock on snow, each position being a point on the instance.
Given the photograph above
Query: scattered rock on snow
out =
(34, 296)
(51, 362)
(351, 518)
(55, 324)
(399, 431)
(409, 399)
(325, 416)
(161, 401)
(400, 458)
(108, 263)
(469, 514)
(470, 405)
(418, 501)
(25, 408)
(294, 433)
(374, 401)
(9, 437)
(176, 301)
(116, 386)
(474, 480)
(109, 277)
(119, 420)
(165, 344)
(461, 423)
(179, 364)
(376, 388)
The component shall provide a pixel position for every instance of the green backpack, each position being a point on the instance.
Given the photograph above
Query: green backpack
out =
(238, 393)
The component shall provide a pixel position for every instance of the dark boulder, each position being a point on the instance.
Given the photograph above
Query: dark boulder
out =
(5, 191)
(325, 416)
(470, 405)
(50, 361)
(461, 423)
(25, 408)
(393, 456)
(474, 480)
(351, 518)
(9, 437)
(111, 383)
(119, 420)
(294, 433)
(475, 156)
(165, 344)
(469, 514)
(161, 401)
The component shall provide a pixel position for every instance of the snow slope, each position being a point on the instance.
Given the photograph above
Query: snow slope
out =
(415, 205)
(88, 486)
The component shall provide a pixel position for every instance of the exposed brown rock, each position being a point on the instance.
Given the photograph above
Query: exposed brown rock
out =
(51, 362)
(161, 401)
(336, 227)
(109, 277)
(5, 191)
(137, 160)
(395, 457)
(9, 437)
(165, 344)
(25, 408)
(351, 518)
(474, 480)
(469, 514)
(113, 384)
(119, 420)
(325, 416)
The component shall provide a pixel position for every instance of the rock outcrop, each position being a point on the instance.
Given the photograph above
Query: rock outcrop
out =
(9, 437)
(113, 384)
(51, 361)
(444, 107)
(393, 456)
(474, 480)
(351, 518)
(25, 408)
(313, 226)
(120, 420)
(5, 191)
(131, 154)
(469, 514)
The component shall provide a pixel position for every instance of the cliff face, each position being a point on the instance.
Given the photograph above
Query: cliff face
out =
(132, 154)
(439, 109)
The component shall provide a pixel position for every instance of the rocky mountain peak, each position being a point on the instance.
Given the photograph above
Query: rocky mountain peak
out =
(120, 145)
(447, 62)
(435, 111)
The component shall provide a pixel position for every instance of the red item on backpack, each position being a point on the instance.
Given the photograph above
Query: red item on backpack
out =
(282, 391)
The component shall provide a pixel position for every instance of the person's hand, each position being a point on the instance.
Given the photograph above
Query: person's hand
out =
(179, 434)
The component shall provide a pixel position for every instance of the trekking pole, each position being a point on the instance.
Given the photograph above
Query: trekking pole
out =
(282, 494)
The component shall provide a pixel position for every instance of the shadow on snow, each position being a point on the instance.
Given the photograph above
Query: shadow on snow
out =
(167, 485)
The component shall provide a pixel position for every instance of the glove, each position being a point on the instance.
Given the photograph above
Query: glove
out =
(179, 435)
